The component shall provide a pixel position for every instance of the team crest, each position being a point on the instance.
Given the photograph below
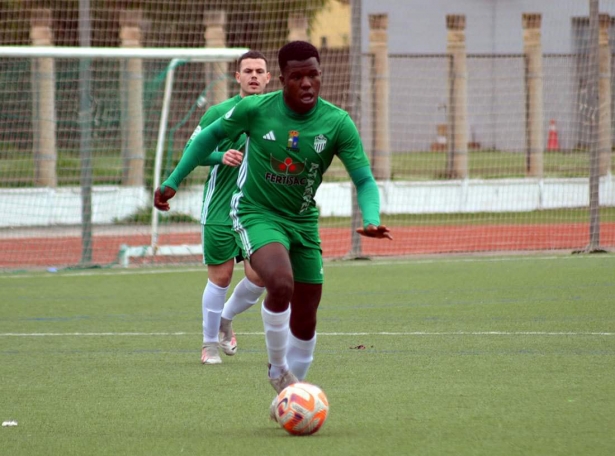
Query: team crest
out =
(286, 166)
(293, 141)
(320, 142)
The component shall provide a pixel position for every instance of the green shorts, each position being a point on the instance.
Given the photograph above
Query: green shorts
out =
(219, 244)
(301, 240)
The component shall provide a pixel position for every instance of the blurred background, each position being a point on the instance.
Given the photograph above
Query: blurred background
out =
(488, 123)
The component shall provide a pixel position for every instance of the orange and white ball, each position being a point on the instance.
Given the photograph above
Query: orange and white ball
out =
(301, 408)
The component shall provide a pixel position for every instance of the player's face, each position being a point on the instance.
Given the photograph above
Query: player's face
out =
(252, 76)
(301, 82)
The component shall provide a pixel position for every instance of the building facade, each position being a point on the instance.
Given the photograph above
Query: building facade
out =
(417, 38)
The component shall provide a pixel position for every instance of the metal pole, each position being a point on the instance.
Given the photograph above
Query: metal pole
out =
(355, 113)
(162, 131)
(85, 124)
(594, 132)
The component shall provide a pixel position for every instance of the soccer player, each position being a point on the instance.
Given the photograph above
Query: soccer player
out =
(219, 246)
(292, 137)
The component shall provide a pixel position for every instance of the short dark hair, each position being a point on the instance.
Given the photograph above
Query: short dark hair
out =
(296, 50)
(251, 55)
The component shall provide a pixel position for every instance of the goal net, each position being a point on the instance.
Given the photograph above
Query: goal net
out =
(488, 125)
(84, 196)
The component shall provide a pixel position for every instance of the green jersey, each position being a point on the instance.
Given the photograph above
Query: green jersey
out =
(287, 153)
(222, 180)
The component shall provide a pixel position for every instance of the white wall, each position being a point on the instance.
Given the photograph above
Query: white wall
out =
(48, 207)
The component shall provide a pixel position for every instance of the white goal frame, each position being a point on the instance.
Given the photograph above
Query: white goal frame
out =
(127, 252)
(177, 57)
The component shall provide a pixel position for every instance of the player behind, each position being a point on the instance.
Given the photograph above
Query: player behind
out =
(219, 246)
(293, 136)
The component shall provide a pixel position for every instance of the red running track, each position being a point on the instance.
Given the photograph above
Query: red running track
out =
(35, 252)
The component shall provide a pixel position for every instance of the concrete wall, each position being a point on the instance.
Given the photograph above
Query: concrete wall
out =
(58, 207)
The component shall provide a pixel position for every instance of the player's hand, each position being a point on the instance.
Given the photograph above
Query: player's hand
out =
(232, 157)
(378, 232)
(161, 198)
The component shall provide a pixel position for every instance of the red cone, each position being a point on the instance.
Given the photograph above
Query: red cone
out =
(552, 141)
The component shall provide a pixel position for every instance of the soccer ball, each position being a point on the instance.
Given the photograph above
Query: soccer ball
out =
(301, 408)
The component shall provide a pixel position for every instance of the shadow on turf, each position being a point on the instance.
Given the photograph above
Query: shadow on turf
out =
(276, 431)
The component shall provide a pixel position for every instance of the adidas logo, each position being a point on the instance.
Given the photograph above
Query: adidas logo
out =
(269, 136)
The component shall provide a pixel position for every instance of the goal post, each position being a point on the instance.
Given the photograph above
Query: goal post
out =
(106, 92)
(127, 252)
(210, 55)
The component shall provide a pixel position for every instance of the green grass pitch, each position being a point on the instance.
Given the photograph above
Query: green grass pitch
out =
(435, 356)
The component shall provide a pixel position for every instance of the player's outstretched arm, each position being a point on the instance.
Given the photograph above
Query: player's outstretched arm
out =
(231, 157)
(163, 194)
(161, 197)
(378, 232)
(368, 198)
(196, 153)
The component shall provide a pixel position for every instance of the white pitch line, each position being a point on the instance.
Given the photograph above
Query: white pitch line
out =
(100, 334)
(412, 333)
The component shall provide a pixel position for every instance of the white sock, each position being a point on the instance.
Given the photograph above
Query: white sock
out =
(244, 296)
(276, 338)
(212, 303)
(300, 355)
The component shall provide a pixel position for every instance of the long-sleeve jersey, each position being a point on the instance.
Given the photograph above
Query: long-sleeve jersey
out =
(286, 155)
(222, 180)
